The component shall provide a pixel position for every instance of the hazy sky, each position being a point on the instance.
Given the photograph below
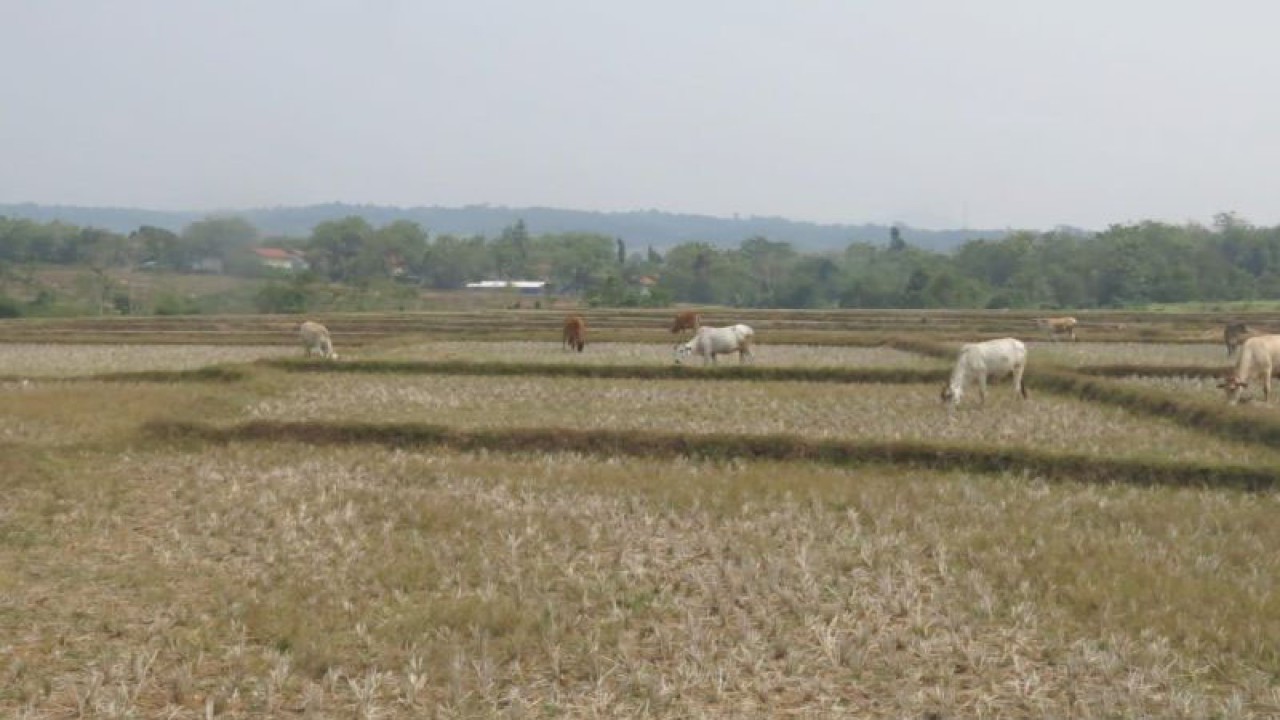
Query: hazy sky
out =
(945, 113)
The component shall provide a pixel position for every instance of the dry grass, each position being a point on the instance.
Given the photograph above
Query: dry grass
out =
(1206, 389)
(1084, 353)
(281, 580)
(65, 414)
(65, 360)
(256, 580)
(646, 354)
(816, 410)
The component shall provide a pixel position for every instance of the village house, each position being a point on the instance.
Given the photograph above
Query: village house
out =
(281, 259)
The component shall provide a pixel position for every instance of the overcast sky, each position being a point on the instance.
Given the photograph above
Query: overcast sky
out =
(939, 114)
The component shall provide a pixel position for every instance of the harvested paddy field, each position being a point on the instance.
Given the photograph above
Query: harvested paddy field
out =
(814, 410)
(1076, 354)
(152, 566)
(648, 354)
(276, 579)
(67, 360)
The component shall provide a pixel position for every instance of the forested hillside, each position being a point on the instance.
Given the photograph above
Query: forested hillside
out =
(650, 227)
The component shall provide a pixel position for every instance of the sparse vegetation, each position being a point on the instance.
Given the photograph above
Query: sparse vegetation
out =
(369, 542)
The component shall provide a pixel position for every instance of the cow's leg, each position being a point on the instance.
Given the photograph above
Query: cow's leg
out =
(982, 389)
(1018, 387)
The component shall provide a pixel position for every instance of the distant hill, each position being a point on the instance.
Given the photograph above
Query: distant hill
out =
(638, 228)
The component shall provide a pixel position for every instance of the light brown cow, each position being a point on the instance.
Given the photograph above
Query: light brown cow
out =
(1259, 356)
(1058, 326)
(575, 333)
(315, 339)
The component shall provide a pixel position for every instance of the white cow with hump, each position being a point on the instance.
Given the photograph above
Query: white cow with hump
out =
(315, 339)
(712, 341)
(983, 361)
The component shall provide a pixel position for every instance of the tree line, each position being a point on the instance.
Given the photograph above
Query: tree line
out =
(1123, 266)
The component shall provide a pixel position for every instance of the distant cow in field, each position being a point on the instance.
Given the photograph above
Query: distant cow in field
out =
(687, 320)
(575, 333)
(1259, 357)
(315, 339)
(979, 362)
(709, 342)
(1234, 335)
(1058, 326)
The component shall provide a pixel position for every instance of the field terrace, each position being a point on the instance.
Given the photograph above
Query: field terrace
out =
(848, 412)
(151, 576)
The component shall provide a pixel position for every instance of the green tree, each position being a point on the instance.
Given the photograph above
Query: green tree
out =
(403, 247)
(896, 243)
(511, 251)
(450, 262)
(166, 249)
(574, 262)
(337, 250)
(219, 237)
(768, 265)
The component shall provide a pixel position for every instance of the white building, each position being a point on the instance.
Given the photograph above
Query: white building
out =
(525, 287)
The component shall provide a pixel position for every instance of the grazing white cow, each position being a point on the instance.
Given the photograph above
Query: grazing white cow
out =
(1259, 356)
(710, 342)
(979, 362)
(315, 339)
(1058, 326)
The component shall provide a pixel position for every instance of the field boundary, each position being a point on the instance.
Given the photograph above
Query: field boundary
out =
(728, 371)
(208, 373)
(1156, 371)
(781, 448)
(1222, 420)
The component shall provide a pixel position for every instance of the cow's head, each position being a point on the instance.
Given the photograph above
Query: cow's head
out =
(682, 351)
(1231, 383)
(1233, 386)
(949, 395)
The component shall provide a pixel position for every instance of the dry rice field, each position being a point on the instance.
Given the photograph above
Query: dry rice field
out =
(144, 576)
(647, 354)
(1086, 353)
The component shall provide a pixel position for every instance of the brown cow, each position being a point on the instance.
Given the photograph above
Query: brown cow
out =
(1058, 326)
(687, 320)
(575, 333)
